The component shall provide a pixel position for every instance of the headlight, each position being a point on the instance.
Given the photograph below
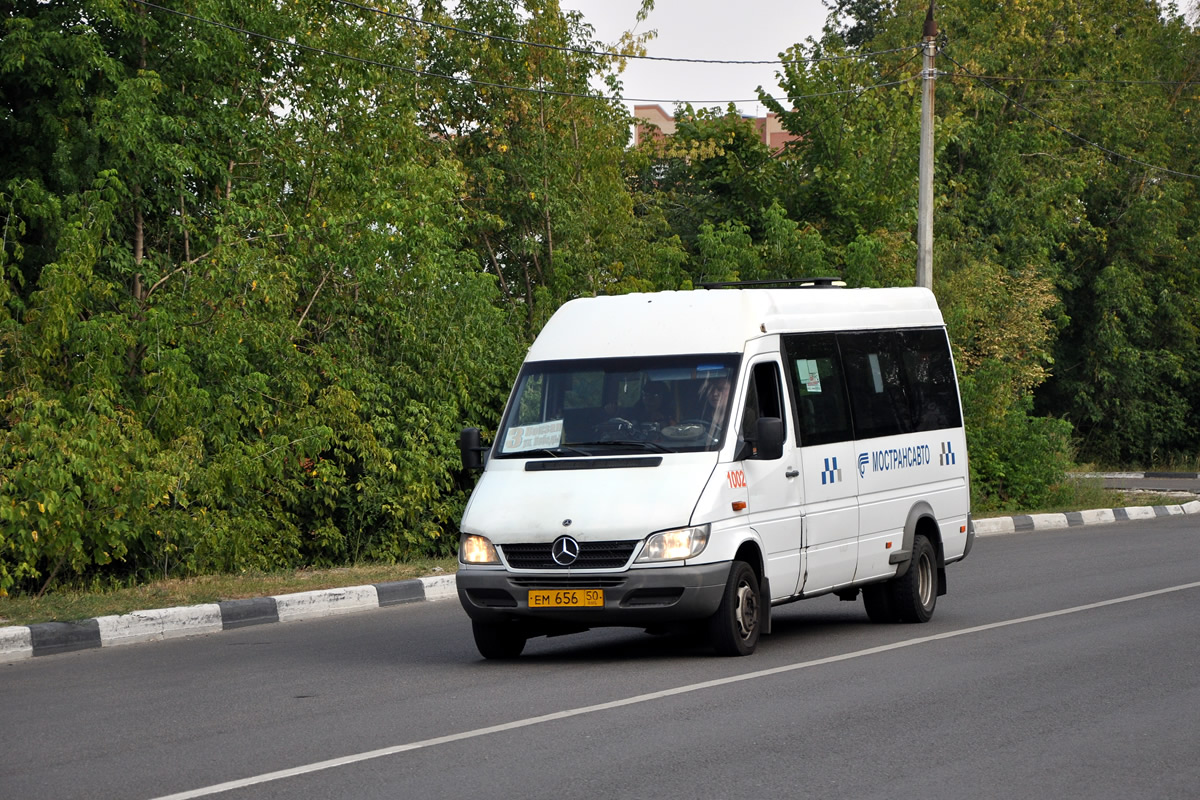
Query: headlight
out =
(675, 545)
(473, 549)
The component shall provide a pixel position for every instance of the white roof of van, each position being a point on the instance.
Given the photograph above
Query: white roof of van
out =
(721, 320)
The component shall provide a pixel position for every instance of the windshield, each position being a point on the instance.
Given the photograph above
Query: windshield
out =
(663, 404)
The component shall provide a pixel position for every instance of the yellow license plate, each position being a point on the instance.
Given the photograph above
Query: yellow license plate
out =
(566, 598)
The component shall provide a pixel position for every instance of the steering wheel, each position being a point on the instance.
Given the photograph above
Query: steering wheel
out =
(689, 429)
(615, 428)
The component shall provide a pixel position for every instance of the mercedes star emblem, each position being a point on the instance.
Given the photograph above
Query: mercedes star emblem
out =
(564, 551)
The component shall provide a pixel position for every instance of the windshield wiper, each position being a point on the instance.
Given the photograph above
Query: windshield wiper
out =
(642, 443)
(553, 452)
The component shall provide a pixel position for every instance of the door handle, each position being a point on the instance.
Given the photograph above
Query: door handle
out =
(792, 473)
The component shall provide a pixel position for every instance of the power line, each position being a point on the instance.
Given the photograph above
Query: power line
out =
(609, 53)
(1060, 128)
(1018, 78)
(474, 82)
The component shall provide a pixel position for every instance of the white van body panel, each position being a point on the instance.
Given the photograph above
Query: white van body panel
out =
(514, 505)
(892, 484)
(665, 323)
(831, 513)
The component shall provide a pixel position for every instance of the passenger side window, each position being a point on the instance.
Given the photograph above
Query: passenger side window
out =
(815, 375)
(879, 391)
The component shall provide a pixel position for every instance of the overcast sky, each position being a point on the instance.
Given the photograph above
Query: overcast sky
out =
(711, 29)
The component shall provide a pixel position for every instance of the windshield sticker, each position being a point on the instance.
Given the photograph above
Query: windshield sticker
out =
(810, 377)
(544, 436)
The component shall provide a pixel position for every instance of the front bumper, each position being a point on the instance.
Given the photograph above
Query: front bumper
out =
(634, 598)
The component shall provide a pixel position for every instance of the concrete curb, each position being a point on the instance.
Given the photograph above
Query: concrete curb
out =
(1137, 475)
(19, 642)
(48, 638)
(1023, 523)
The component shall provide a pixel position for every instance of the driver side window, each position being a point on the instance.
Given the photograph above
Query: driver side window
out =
(764, 398)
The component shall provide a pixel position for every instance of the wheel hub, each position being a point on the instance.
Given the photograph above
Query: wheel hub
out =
(747, 610)
(925, 580)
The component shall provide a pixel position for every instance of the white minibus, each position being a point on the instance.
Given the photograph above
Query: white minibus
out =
(694, 458)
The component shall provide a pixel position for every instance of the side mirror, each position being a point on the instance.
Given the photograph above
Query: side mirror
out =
(469, 444)
(769, 436)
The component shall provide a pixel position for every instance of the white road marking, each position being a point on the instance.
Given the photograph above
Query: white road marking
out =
(333, 763)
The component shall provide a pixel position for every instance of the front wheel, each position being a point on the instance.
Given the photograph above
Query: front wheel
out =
(499, 640)
(735, 628)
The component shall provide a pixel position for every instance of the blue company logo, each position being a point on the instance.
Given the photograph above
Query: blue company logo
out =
(831, 473)
(904, 458)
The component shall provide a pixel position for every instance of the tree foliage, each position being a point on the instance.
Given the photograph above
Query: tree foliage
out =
(1065, 269)
(260, 261)
(1115, 235)
(239, 327)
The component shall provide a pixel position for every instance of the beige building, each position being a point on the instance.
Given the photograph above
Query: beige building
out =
(657, 123)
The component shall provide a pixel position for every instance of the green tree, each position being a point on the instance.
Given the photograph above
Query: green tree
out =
(716, 187)
(548, 210)
(1112, 233)
(854, 106)
(238, 329)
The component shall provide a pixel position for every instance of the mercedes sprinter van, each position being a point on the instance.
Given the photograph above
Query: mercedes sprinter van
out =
(693, 458)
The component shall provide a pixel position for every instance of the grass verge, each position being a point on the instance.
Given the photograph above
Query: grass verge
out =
(1082, 494)
(86, 602)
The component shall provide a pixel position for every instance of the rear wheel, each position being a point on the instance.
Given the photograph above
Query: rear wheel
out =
(735, 628)
(915, 593)
(878, 602)
(912, 596)
(499, 641)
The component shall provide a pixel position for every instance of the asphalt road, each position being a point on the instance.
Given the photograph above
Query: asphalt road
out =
(1061, 664)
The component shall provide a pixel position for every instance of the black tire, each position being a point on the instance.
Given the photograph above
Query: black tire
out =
(914, 594)
(500, 640)
(878, 601)
(735, 628)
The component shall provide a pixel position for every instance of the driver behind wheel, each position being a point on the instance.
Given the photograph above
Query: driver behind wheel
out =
(654, 409)
(714, 394)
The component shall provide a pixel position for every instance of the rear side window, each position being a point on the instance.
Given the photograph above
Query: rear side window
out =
(866, 384)
(930, 373)
(899, 382)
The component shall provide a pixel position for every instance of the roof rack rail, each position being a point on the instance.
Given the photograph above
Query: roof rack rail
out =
(783, 283)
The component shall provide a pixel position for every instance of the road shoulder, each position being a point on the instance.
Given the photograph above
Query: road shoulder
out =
(20, 642)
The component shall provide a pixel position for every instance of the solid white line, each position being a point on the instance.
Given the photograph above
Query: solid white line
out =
(645, 698)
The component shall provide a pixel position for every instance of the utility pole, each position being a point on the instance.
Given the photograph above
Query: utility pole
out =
(925, 197)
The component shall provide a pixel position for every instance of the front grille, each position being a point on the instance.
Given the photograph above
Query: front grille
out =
(567, 582)
(592, 555)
